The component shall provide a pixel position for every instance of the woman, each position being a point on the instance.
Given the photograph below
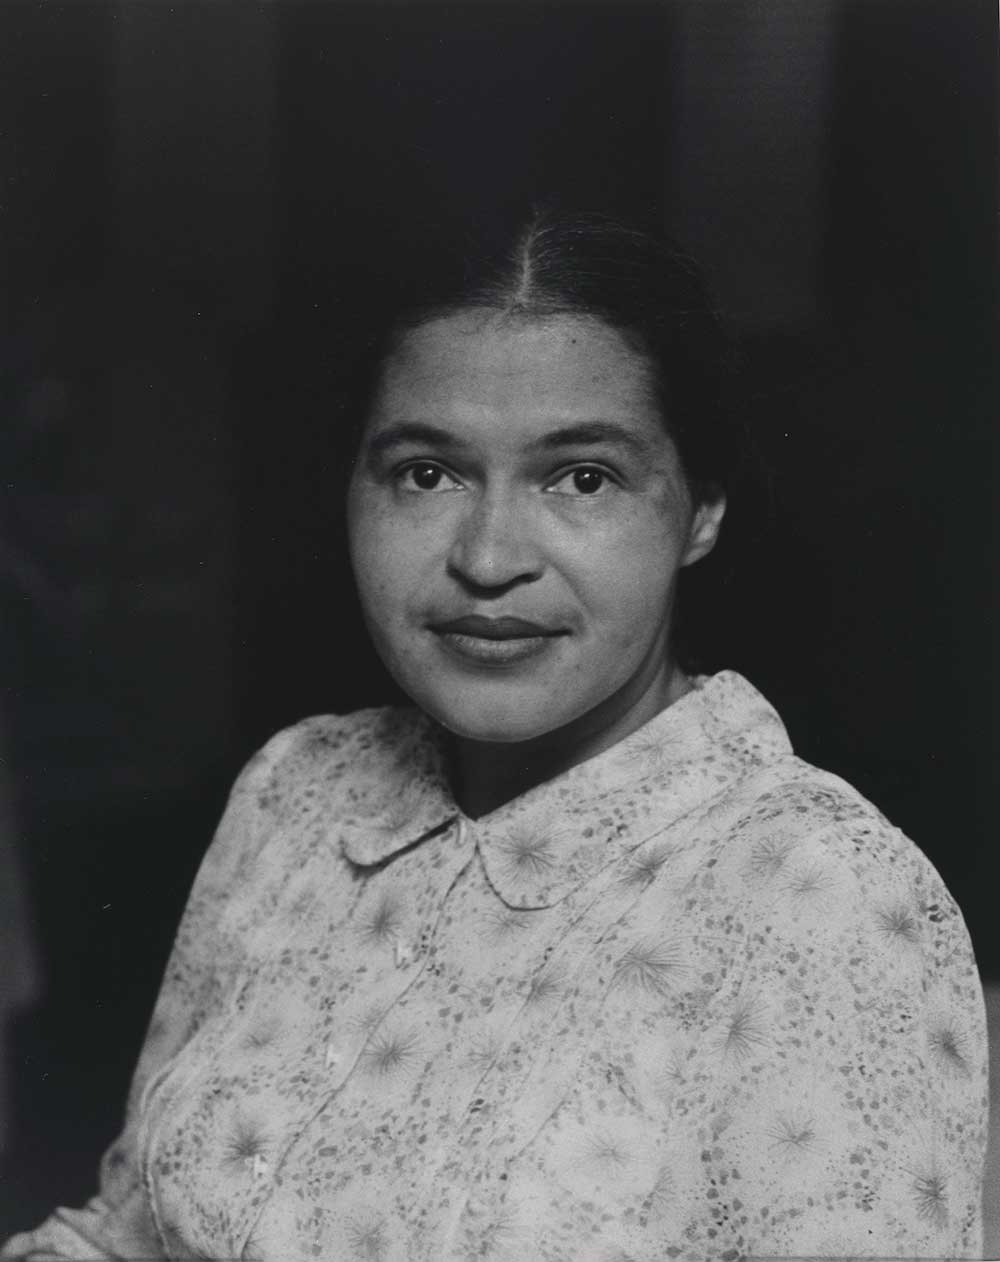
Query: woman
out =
(576, 959)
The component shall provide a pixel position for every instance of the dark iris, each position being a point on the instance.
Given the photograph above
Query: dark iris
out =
(426, 476)
(587, 481)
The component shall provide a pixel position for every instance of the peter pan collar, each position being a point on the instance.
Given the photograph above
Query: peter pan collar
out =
(539, 847)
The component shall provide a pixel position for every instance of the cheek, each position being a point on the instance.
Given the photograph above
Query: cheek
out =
(373, 556)
(627, 572)
(388, 557)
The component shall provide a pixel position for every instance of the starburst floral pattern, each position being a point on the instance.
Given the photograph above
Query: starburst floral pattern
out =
(505, 1238)
(929, 1189)
(501, 923)
(245, 1146)
(606, 1153)
(368, 1238)
(773, 1037)
(897, 924)
(662, 1196)
(646, 864)
(669, 1076)
(653, 965)
(745, 1032)
(793, 1134)
(254, 1249)
(383, 922)
(391, 1053)
(949, 1046)
(367, 1020)
(649, 750)
(769, 857)
(483, 1052)
(546, 987)
(528, 852)
(809, 883)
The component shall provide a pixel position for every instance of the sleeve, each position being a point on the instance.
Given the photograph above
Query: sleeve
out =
(856, 1116)
(117, 1223)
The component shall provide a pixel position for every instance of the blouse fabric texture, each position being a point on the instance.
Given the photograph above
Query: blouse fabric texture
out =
(692, 999)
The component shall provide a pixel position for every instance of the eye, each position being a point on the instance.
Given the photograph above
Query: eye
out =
(585, 480)
(425, 475)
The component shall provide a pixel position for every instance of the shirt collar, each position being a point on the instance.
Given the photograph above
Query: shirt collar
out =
(545, 843)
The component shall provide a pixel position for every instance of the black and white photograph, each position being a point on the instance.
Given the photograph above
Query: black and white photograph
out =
(497, 630)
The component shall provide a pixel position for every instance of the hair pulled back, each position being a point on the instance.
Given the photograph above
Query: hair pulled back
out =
(637, 282)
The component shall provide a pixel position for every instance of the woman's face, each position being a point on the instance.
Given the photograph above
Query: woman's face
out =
(518, 516)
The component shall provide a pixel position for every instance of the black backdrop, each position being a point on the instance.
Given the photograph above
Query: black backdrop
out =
(198, 197)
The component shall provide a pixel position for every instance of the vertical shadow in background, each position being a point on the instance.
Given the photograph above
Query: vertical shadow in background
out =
(910, 284)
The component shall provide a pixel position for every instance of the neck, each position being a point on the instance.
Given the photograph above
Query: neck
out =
(486, 774)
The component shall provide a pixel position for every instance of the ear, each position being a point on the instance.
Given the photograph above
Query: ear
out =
(705, 526)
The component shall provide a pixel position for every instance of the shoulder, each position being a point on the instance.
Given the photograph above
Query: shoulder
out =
(769, 807)
(811, 856)
(799, 809)
(304, 775)
(329, 747)
(322, 738)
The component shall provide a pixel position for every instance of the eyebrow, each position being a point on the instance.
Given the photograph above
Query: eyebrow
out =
(593, 434)
(583, 434)
(416, 432)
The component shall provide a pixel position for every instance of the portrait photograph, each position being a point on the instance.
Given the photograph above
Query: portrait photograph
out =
(497, 630)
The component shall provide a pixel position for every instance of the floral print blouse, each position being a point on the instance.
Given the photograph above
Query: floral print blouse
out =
(692, 999)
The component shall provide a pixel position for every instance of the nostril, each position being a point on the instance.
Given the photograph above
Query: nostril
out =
(488, 585)
(491, 554)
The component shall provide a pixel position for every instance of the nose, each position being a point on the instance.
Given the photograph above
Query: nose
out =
(493, 545)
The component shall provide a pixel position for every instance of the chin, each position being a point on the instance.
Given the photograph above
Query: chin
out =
(493, 723)
(496, 734)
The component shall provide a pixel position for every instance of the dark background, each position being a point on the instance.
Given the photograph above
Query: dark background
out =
(195, 199)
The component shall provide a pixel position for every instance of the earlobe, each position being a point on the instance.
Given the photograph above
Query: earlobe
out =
(705, 529)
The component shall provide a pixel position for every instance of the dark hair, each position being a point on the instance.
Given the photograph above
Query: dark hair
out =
(638, 282)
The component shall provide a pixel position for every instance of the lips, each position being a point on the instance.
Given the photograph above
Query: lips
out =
(505, 628)
(478, 641)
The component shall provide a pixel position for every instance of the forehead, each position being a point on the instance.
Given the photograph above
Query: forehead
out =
(474, 364)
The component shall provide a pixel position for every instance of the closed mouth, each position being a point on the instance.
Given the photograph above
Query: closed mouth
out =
(479, 627)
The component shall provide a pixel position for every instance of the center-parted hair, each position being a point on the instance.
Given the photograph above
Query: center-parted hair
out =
(637, 282)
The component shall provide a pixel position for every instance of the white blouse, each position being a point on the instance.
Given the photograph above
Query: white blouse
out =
(692, 999)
